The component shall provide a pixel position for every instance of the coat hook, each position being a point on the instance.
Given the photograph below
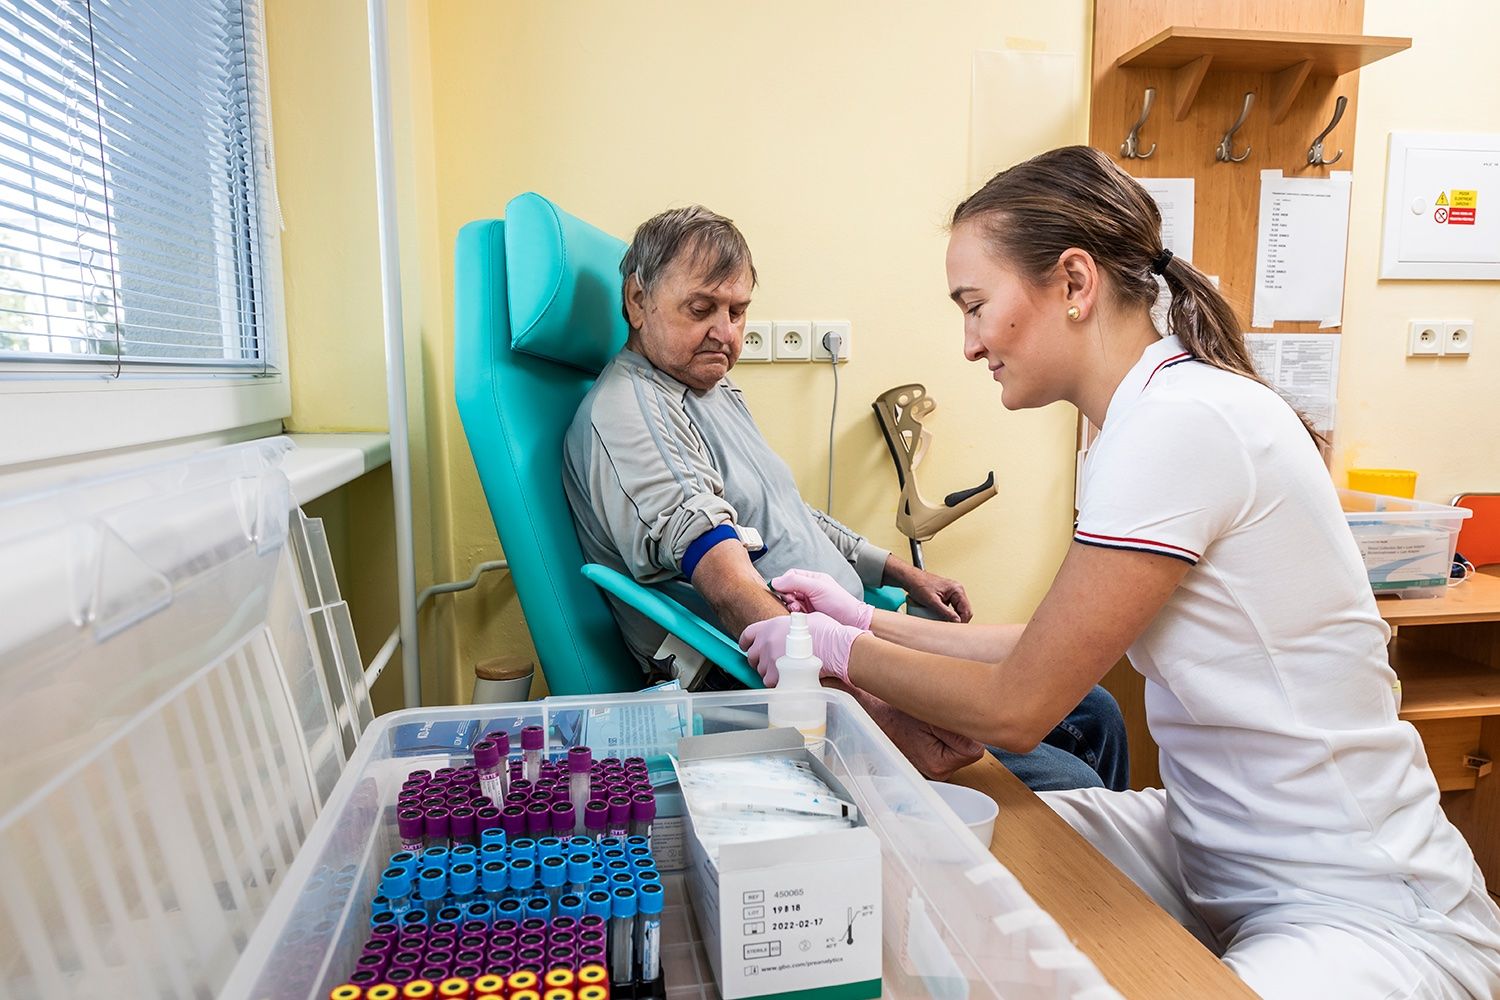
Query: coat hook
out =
(1225, 152)
(1315, 153)
(1130, 149)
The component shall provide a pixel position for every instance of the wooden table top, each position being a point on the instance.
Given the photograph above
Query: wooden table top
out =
(1141, 950)
(1477, 599)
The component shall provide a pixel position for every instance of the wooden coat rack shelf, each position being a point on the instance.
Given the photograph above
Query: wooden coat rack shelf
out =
(1292, 56)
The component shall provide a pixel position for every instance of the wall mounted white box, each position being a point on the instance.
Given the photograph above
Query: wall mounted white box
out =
(1442, 207)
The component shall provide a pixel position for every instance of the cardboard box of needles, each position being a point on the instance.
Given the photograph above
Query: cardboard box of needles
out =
(781, 911)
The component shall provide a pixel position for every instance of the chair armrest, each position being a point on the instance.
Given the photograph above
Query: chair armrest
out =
(885, 598)
(717, 647)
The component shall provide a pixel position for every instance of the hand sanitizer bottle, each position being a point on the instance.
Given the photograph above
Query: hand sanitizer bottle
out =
(789, 705)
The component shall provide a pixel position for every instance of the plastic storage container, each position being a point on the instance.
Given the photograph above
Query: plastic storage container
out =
(956, 923)
(1407, 545)
(177, 707)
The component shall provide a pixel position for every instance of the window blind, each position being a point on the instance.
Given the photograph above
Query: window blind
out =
(130, 216)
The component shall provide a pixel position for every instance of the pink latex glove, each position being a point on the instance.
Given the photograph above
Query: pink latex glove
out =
(807, 590)
(765, 642)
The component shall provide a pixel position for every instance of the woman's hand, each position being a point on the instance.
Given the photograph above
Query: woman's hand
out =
(765, 642)
(806, 590)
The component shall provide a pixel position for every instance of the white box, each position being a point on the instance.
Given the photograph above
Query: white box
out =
(781, 916)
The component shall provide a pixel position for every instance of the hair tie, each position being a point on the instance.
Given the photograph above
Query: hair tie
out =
(1159, 265)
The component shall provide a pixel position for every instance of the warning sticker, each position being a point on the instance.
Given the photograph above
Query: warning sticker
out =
(1465, 199)
(1440, 215)
(1442, 198)
(1461, 216)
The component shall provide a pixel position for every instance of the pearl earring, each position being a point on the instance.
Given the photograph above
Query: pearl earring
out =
(1074, 313)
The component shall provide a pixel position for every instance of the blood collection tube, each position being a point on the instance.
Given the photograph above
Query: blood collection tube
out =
(435, 826)
(487, 763)
(533, 743)
(523, 847)
(642, 815)
(564, 819)
(596, 905)
(619, 817)
(595, 819)
(538, 819)
(461, 826)
(463, 880)
(650, 901)
(412, 828)
(493, 879)
(554, 878)
(622, 910)
(395, 886)
(432, 886)
(580, 760)
(580, 870)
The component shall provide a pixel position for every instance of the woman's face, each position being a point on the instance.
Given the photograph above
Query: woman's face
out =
(1021, 332)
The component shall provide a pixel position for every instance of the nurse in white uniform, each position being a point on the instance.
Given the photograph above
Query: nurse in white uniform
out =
(1299, 833)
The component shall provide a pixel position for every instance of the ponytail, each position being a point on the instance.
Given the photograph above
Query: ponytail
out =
(1076, 197)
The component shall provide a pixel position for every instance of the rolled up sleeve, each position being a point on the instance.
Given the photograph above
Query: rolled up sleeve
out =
(867, 558)
(651, 482)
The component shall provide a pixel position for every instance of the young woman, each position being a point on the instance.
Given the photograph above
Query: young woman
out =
(1299, 833)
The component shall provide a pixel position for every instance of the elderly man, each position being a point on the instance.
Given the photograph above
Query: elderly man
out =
(671, 482)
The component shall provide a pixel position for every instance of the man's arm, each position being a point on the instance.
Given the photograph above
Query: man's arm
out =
(733, 588)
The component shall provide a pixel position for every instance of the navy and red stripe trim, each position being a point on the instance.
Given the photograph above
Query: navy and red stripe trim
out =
(1137, 545)
(1175, 359)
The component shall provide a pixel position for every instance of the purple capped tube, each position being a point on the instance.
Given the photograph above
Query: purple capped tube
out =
(487, 763)
(619, 817)
(580, 761)
(411, 827)
(642, 815)
(533, 743)
(595, 819)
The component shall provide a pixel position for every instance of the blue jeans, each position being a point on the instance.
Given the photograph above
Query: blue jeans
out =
(1088, 749)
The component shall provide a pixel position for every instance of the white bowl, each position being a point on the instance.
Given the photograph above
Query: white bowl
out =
(975, 810)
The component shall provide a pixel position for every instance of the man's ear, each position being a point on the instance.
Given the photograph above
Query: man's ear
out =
(635, 302)
(1080, 283)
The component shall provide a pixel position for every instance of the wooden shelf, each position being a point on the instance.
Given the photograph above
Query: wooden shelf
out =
(1292, 55)
(1439, 685)
(1477, 599)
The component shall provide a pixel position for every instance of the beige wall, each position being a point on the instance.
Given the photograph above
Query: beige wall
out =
(1438, 416)
(836, 134)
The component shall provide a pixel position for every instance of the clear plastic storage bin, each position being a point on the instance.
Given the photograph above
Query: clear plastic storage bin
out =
(957, 924)
(1407, 545)
(178, 707)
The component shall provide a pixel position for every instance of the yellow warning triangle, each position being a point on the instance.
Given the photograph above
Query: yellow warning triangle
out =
(1442, 198)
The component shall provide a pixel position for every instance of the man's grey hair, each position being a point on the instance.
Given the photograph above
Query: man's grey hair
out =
(707, 242)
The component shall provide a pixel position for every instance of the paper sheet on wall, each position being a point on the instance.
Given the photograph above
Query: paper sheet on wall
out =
(1174, 199)
(1022, 103)
(1300, 247)
(1304, 368)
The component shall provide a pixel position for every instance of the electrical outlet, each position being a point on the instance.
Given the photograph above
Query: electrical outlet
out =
(791, 341)
(1424, 338)
(838, 327)
(1458, 337)
(757, 345)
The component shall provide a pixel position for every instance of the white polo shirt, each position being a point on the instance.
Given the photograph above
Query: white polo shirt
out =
(1288, 774)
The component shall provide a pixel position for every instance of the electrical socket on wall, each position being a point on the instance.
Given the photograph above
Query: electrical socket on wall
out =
(791, 340)
(1458, 337)
(757, 345)
(1424, 338)
(838, 327)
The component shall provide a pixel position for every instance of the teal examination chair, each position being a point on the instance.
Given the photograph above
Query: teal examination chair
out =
(536, 316)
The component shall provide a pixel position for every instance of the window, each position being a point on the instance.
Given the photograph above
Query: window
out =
(134, 180)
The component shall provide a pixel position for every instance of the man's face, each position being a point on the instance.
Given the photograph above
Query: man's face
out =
(690, 329)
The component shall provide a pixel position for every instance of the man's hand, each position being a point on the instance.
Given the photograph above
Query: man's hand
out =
(935, 752)
(938, 593)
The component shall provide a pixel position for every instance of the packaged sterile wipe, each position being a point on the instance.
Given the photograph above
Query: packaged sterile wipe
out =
(784, 876)
(1400, 557)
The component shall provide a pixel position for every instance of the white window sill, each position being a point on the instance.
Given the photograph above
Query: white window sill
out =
(321, 463)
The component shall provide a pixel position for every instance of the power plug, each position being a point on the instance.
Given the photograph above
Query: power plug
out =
(832, 339)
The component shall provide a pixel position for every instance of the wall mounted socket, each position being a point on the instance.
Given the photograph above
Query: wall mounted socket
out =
(839, 328)
(1424, 338)
(1458, 337)
(757, 345)
(791, 340)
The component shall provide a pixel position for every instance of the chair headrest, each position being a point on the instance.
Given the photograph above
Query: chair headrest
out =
(563, 277)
